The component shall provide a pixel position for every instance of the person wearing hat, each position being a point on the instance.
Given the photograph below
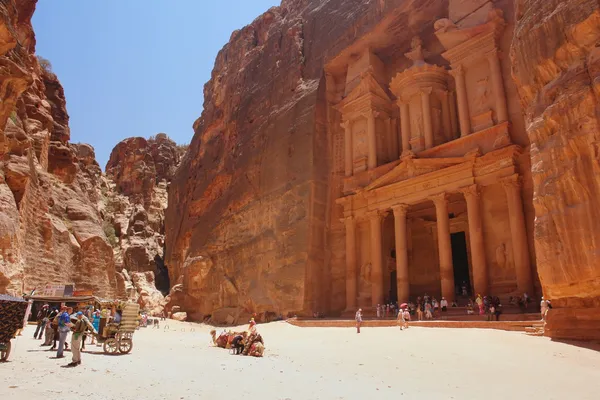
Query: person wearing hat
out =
(78, 330)
(41, 318)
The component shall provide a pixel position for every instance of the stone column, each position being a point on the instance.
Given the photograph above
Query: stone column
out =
(444, 246)
(397, 139)
(446, 115)
(372, 140)
(426, 109)
(348, 164)
(405, 128)
(518, 231)
(351, 279)
(463, 102)
(480, 273)
(391, 139)
(376, 259)
(453, 121)
(498, 83)
(401, 252)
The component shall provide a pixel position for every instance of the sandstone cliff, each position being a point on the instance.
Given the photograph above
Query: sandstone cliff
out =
(134, 197)
(251, 226)
(51, 229)
(61, 219)
(556, 63)
(247, 222)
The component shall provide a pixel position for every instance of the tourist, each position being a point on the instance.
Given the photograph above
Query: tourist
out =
(444, 304)
(435, 306)
(404, 318)
(358, 319)
(78, 332)
(470, 308)
(420, 312)
(543, 308)
(464, 288)
(41, 319)
(479, 302)
(64, 323)
(428, 314)
(498, 308)
(48, 329)
(491, 312)
(95, 325)
(378, 311)
(526, 300)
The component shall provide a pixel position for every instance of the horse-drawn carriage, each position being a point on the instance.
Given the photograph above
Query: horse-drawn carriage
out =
(12, 314)
(118, 338)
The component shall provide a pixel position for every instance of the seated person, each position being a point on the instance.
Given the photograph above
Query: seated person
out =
(113, 326)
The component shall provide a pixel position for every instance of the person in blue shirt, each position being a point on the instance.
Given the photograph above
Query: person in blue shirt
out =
(64, 325)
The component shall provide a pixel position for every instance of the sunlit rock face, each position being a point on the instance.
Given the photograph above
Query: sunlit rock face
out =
(50, 230)
(254, 224)
(61, 219)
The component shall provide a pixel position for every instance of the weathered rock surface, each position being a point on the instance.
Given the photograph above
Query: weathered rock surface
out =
(51, 227)
(61, 219)
(556, 64)
(179, 316)
(249, 227)
(135, 197)
(246, 223)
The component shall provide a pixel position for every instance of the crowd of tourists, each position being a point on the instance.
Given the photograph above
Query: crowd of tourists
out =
(54, 326)
(428, 308)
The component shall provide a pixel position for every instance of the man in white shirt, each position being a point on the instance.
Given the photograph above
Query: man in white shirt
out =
(444, 304)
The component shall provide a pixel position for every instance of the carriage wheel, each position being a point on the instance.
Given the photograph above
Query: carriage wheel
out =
(125, 346)
(6, 352)
(111, 346)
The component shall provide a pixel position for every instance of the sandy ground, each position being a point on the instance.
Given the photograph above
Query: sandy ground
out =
(311, 363)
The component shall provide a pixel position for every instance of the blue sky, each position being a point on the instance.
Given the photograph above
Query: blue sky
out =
(136, 67)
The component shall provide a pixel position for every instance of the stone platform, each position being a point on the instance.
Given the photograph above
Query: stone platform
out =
(514, 322)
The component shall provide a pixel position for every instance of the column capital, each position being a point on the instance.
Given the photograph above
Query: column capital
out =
(471, 191)
(426, 91)
(494, 55)
(400, 210)
(512, 182)
(348, 219)
(376, 214)
(346, 124)
(371, 114)
(439, 199)
(457, 70)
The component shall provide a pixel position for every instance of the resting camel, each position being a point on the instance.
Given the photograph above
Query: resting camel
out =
(224, 339)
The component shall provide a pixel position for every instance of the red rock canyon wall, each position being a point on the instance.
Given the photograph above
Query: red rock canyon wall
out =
(556, 64)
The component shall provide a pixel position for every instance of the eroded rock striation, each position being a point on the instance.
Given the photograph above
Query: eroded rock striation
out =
(134, 194)
(556, 64)
(51, 229)
(61, 219)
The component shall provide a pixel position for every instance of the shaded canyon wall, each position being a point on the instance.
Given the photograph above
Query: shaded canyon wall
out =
(556, 64)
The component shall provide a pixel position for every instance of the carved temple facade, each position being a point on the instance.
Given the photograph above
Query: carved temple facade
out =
(432, 160)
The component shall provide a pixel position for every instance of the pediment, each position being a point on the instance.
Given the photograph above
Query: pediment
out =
(368, 86)
(414, 167)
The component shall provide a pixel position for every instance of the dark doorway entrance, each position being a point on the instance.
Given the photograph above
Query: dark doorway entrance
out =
(393, 287)
(460, 260)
